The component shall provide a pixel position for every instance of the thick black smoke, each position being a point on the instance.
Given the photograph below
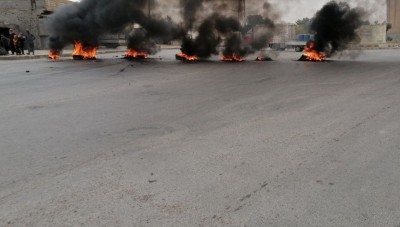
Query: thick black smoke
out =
(210, 34)
(209, 21)
(190, 10)
(205, 44)
(139, 40)
(220, 26)
(265, 35)
(88, 19)
(335, 26)
(153, 31)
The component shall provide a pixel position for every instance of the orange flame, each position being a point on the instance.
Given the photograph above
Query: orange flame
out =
(84, 52)
(311, 54)
(135, 54)
(186, 57)
(233, 58)
(54, 54)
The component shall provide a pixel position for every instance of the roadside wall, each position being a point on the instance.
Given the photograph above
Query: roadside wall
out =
(393, 14)
(372, 34)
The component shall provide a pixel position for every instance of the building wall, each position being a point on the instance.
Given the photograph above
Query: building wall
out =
(372, 34)
(19, 15)
(393, 14)
(284, 33)
(51, 5)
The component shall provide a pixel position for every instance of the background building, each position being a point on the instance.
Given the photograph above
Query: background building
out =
(373, 34)
(393, 14)
(22, 15)
(51, 5)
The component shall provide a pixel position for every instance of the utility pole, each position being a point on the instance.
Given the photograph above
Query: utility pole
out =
(149, 7)
(239, 8)
(242, 11)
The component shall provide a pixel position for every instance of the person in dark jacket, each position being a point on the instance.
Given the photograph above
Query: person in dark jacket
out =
(5, 43)
(30, 42)
(21, 43)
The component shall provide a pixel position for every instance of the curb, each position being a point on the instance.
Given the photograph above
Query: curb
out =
(31, 57)
(8, 58)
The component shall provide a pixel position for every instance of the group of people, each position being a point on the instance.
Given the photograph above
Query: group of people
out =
(17, 43)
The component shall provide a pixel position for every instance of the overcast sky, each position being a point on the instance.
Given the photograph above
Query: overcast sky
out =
(291, 10)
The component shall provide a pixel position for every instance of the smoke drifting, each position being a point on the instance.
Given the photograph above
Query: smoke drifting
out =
(205, 25)
(189, 11)
(221, 27)
(264, 35)
(209, 36)
(335, 26)
(88, 19)
(153, 31)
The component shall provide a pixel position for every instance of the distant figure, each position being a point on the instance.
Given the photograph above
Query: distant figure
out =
(15, 44)
(5, 43)
(33, 4)
(12, 36)
(21, 43)
(30, 42)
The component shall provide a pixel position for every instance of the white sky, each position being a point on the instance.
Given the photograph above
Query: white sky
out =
(291, 10)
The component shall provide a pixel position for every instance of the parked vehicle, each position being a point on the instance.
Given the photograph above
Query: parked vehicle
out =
(113, 40)
(284, 37)
(299, 43)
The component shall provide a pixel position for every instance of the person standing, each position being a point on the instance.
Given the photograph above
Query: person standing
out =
(33, 4)
(12, 36)
(30, 42)
(5, 42)
(21, 43)
(15, 44)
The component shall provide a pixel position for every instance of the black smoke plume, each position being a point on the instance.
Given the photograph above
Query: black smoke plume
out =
(210, 34)
(139, 40)
(205, 44)
(190, 10)
(260, 36)
(88, 19)
(220, 26)
(265, 35)
(151, 32)
(335, 27)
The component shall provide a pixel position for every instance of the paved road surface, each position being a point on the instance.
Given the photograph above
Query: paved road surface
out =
(164, 143)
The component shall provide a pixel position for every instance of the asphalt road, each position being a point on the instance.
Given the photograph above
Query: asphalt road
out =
(165, 143)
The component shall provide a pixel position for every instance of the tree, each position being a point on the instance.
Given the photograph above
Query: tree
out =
(303, 25)
(388, 27)
(252, 21)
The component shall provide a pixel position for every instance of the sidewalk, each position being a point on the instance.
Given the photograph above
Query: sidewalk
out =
(68, 53)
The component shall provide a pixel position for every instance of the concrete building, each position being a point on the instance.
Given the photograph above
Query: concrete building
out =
(22, 15)
(372, 34)
(51, 5)
(393, 14)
